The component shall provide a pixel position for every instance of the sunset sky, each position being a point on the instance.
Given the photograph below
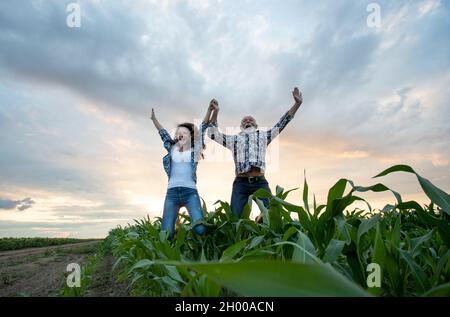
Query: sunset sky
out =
(79, 154)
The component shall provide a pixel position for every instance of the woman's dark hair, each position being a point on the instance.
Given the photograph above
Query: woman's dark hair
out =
(194, 132)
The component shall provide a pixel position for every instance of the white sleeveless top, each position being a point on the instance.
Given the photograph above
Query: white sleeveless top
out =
(181, 170)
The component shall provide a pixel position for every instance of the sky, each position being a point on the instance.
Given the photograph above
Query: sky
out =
(79, 154)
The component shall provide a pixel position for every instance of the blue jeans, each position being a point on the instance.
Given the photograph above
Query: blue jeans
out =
(176, 198)
(242, 189)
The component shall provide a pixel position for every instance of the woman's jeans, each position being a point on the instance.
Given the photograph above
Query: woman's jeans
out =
(176, 198)
(243, 187)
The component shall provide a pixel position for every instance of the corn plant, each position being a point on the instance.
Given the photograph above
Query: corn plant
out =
(21, 243)
(309, 250)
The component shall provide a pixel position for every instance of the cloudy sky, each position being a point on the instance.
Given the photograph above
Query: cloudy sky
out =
(79, 155)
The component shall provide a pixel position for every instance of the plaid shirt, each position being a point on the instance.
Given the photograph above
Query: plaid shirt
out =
(195, 154)
(249, 149)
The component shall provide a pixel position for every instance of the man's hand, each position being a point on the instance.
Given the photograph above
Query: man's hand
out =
(153, 117)
(213, 105)
(297, 96)
(298, 101)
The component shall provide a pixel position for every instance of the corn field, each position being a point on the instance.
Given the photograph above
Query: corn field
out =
(7, 244)
(311, 250)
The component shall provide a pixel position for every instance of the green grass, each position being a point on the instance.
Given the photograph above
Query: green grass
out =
(309, 250)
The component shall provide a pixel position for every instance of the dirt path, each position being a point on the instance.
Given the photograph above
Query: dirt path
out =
(40, 271)
(104, 283)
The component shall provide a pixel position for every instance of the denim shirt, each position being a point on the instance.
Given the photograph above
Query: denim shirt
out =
(195, 154)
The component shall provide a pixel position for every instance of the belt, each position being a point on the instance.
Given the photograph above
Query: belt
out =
(250, 179)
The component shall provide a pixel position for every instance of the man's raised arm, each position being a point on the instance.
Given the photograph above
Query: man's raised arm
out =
(298, 101)
(287, 117)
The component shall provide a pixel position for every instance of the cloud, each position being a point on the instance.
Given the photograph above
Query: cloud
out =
(111, 211)
(122, 70)
(8, 204)
(190, 49)
(79, 229)
(19, 204)
(428, 6)
(73, 102)
(354, 154)
(25, 204)
(438, 160)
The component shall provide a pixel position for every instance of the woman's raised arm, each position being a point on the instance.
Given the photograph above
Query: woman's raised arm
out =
(158, 126)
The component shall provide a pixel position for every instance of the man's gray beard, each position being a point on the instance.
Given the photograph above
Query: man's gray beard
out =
(249, 130)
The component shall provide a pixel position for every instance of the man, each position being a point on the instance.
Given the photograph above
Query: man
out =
(249, 151)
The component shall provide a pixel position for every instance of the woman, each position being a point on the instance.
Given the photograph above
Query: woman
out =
(180, 164)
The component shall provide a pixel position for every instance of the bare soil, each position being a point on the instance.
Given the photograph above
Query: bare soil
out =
(104, 282)
(40, 271)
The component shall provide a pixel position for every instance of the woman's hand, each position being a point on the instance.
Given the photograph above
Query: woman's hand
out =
(158, 126)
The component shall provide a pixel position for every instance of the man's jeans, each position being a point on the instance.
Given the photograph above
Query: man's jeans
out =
(243, 187)
(176, 198)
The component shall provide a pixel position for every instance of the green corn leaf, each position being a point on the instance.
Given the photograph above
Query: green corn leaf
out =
(436, 195)
(416, 243)
(307, 253)
(419, 275)
(142, 264)
(255, 242)
(233, 250)
(333, 250)
(443, 261)
(267, 278)
(439, 291)
(305, 193)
